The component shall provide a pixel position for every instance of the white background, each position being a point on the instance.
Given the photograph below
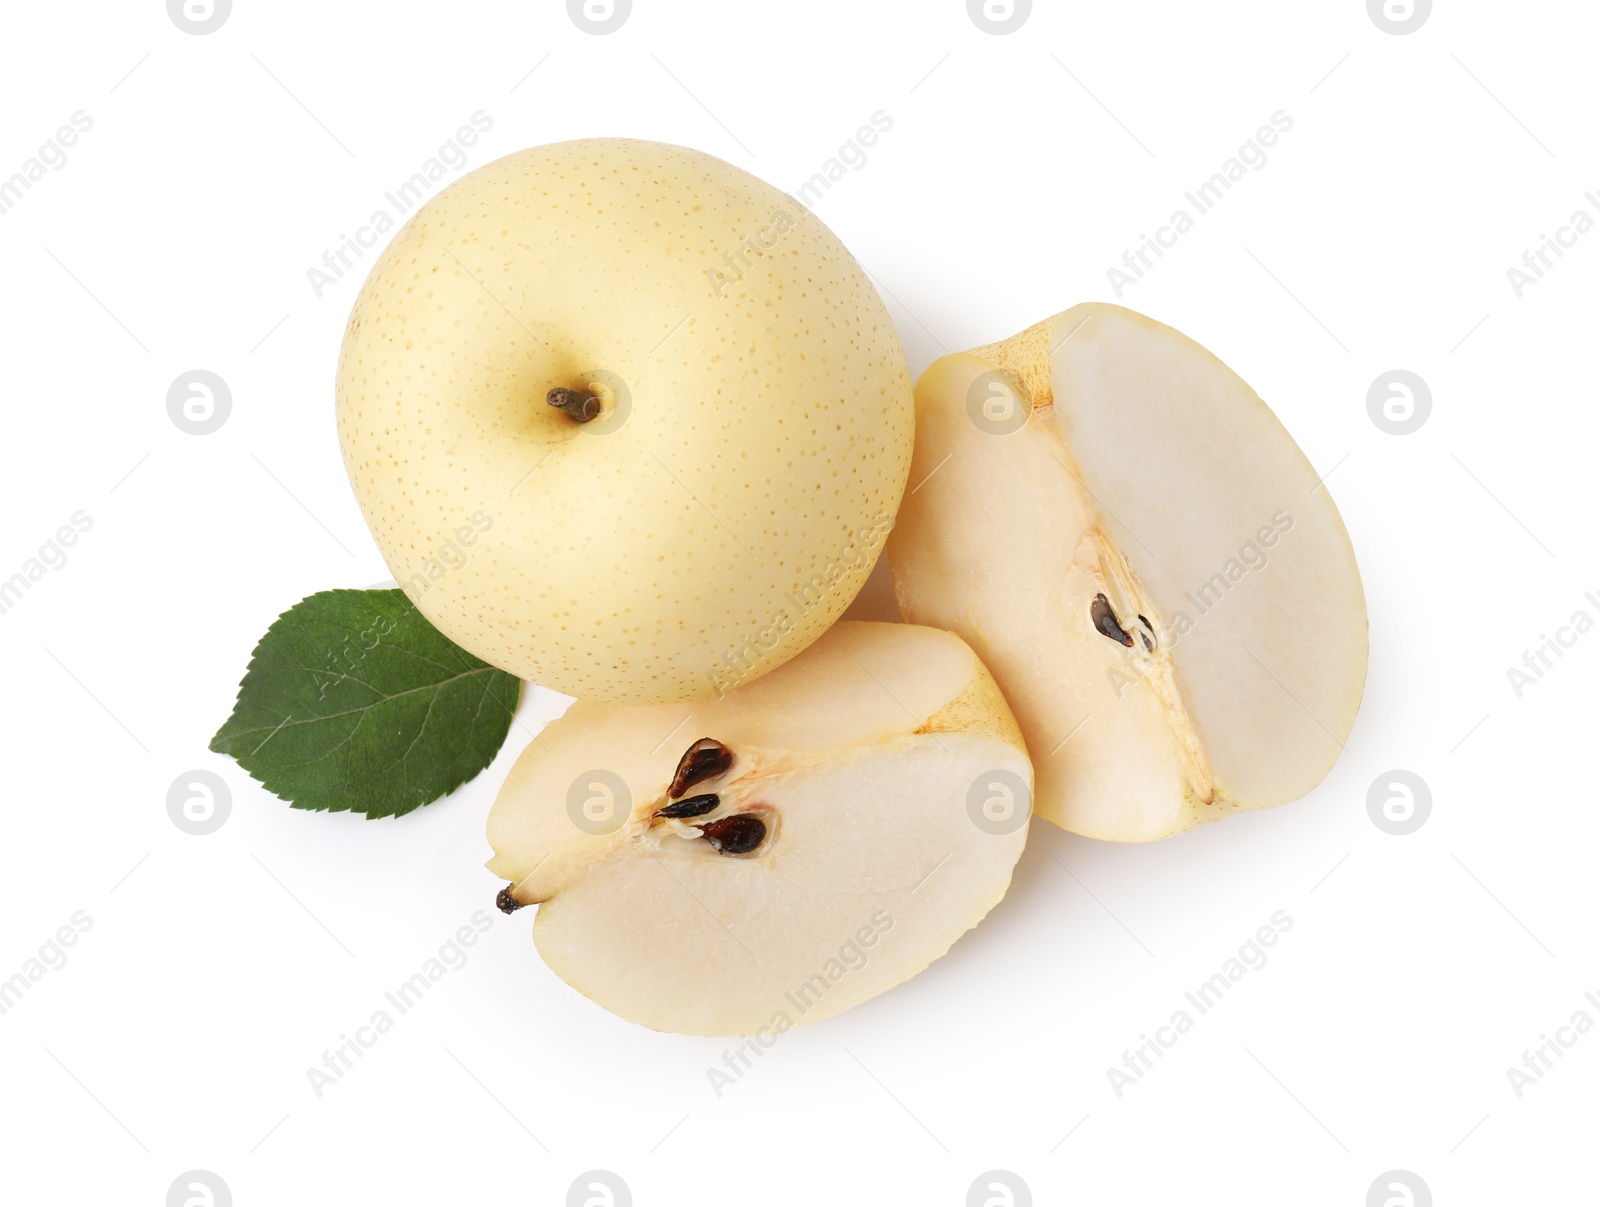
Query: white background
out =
(1019, 167)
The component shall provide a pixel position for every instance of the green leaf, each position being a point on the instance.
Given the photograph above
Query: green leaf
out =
(354, 701)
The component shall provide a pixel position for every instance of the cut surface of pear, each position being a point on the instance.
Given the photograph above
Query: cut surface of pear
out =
(891, 787)
(1146, 561)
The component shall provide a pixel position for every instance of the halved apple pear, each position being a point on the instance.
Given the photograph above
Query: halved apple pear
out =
(746, 863)
(1146, 561)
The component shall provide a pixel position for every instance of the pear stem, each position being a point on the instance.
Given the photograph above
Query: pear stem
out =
(579, 404)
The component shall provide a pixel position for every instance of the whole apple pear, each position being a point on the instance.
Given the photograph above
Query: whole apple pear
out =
(624, 420)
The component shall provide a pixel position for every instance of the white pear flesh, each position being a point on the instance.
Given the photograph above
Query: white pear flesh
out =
(753, 444)
(864, 756)
(1141, 468)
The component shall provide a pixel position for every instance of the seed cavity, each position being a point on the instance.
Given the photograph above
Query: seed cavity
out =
(736, 835)
(1144, 635)
(1106, 621)
(1148, 635)
(580, 404)
(691, 806)
(705, 760)
(505, 902)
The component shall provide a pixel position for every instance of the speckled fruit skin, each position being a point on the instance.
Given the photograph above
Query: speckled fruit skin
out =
(700, 535)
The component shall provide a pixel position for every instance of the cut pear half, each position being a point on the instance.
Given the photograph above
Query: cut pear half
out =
(744, 864)
(1146, 561)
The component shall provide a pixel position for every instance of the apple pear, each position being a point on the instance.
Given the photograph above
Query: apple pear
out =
(1154, 572)
(624, 420)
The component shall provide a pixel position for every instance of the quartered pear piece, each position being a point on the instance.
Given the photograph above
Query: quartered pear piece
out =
(1146, 561)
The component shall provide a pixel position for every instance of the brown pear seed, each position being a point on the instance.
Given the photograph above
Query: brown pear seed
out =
(736, 835)
(705, 759)
(1106, 621)
(691, 806)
